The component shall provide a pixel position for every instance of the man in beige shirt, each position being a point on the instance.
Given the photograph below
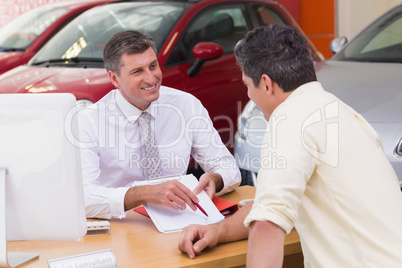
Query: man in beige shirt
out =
(334, 183)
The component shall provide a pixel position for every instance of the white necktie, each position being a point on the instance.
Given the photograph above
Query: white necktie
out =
(152, 163)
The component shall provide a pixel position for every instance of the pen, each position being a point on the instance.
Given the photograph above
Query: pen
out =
(202, 210)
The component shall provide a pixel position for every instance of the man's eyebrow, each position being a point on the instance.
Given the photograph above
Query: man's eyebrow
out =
(141, 67)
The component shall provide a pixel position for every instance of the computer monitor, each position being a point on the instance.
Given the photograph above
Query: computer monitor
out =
(41, 189)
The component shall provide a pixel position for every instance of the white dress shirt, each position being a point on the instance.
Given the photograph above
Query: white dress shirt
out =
(325, 173)
(112, 147)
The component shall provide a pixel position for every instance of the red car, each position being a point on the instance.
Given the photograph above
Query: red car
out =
(25, 35)
(195, 41)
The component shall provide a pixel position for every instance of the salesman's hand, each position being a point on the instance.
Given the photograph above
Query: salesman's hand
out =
(171, 193)
(211, 183)
(195, 238)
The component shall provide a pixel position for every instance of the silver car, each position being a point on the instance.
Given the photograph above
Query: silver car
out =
(366, 73)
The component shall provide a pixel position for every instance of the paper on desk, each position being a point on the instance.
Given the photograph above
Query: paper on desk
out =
(168, 220)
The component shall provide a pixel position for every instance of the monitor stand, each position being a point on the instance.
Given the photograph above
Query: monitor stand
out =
(9, 259)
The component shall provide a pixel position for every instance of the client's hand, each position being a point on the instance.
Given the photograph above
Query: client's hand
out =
(195, 238)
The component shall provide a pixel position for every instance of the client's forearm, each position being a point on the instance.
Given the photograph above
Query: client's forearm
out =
(232, 228)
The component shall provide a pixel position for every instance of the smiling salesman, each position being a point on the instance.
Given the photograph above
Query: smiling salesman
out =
(143, 130)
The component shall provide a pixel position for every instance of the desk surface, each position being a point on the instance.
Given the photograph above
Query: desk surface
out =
(136, 242)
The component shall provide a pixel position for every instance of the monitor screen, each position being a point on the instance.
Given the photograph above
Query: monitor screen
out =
(43, 188)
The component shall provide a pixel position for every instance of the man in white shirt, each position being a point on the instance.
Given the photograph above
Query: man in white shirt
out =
(334, 183)
(114, 154)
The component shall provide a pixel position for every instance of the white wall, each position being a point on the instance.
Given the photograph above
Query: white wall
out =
(353, 15)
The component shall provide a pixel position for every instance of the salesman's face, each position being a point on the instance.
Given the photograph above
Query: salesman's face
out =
(140, 78)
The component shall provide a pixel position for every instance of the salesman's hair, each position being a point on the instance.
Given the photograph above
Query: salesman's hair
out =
(127, 42)
(278, 51)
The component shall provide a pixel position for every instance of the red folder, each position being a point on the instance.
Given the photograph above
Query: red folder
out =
(226, 207)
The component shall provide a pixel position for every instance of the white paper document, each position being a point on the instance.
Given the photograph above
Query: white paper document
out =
(168, 220)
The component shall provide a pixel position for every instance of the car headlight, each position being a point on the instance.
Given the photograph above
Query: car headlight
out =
(399, 147)
(251, 119)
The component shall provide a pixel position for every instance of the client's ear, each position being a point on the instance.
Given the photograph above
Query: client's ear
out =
(268, 84)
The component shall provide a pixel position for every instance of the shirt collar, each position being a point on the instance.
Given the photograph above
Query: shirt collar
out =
(310, 87)
(130, 111)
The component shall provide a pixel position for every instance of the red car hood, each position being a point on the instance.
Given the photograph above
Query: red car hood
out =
(5, 56)
(91, 83)
(9, 60)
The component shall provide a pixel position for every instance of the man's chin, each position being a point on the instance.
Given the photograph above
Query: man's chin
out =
(155, 95)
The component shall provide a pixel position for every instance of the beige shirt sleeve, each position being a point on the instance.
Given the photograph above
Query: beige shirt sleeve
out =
(286, 167)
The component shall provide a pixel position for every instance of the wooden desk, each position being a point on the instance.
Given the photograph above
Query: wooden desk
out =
(136, 242)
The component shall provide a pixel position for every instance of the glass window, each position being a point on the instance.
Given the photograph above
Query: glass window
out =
(387, 43)
(20, 33)
(86, 36)
(224, 25)
(380, 42)
(266, 15)
(390, 36)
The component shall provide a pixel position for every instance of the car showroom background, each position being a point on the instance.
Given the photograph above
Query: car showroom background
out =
(321, 21)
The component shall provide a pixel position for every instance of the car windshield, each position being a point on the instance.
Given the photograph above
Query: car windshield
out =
(84, 38)
(380, 42)
(18, 34)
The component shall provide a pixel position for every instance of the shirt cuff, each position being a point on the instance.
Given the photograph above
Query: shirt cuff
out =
(117, 202)
(230, 182)
(258, 213)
